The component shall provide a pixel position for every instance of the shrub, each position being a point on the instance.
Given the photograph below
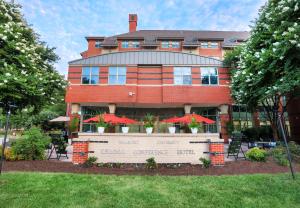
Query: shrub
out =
(194, 124)
(8, 154)
(31, 145)
(205, 162)
(101, 122)
(256, 154)
(279, 155)
(294, 148)
(148, 121)
(151, 163)
(90, 162)
(74, 123)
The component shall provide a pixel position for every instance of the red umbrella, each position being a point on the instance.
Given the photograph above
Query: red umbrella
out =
(188, 118)
(170, 120)
(125, 120)
(111, 118)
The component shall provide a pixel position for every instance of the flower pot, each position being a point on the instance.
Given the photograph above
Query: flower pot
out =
(101, 130)
(172, 130)
(125, 129)
(194, 130)
(149, 130)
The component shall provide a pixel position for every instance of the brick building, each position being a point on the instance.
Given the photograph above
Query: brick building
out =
(163, 72)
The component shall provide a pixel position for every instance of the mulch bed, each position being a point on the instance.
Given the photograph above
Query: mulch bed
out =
(230, 168)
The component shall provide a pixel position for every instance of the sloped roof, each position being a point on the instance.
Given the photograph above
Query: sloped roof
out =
(186, 35)
(148, 57)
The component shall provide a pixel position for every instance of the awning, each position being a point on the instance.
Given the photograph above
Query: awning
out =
(60, 119)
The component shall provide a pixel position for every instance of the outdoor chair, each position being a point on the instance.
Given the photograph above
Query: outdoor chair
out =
(235, 147)
(57, 146)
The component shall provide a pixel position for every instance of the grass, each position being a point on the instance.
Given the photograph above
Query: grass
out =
(74, 190)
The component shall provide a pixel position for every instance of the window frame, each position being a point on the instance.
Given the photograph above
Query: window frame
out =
(117, 75)
(135, 44)
(209, 76)
(123, 44)
(98, 44)
(165, 43)
(177, 42)
(182, 75)
(90, 75)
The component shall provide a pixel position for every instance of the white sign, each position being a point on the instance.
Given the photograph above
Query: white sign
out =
(133, 149)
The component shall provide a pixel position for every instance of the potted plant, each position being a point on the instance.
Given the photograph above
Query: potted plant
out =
(125, 129)
(172, 129)
(194, 125)
(101, 125)
(149, 123)
(73, 125)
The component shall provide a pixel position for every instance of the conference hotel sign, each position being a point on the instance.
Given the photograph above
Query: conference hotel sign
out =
(137, 148)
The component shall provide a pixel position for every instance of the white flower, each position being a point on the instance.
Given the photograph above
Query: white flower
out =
(285, 9)
(5, 81)
(296, 7)
(291, 29)
(7, 74)
(293, 41)
(23, 72)
(281, 79)
(259, 72)
(41, 78)
(276, 44)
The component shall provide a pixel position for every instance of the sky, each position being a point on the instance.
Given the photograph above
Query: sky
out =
(63, 24)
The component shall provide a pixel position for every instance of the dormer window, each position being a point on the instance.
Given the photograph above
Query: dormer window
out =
(170, 44)
(130, 44)
(98, 44)
(125, 44)
(165, 44)
(209, 45)
(175, 44)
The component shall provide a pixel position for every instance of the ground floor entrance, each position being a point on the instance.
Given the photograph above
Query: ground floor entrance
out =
(159, 115)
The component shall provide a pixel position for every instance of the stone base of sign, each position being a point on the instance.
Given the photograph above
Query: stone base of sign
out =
(137, 148)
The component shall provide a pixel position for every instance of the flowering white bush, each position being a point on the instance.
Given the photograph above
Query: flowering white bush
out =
(269, 63)
(27, 75)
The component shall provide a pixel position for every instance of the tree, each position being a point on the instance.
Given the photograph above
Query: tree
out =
(27, 76)
(268, 66)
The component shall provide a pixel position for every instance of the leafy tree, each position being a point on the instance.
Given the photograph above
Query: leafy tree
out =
(268, 65)
(27, 76)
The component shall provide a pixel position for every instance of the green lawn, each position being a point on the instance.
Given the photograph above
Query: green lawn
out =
(73, 190)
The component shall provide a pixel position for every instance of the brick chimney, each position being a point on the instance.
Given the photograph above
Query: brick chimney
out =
(132, 22)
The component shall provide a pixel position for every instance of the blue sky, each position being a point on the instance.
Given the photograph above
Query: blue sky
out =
(64, 23)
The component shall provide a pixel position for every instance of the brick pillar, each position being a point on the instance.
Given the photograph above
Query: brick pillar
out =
(224, 118)
(217, 153)
(80, 152)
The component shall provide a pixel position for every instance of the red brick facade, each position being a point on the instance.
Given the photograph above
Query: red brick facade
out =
(80, 152)
(217, 154)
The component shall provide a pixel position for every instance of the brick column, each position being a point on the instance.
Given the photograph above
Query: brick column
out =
(80, 152)
(217, 153)
(224, 118)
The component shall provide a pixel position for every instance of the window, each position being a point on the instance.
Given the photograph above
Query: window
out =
(130, 44)
(175, 44)
(98, 44)
(125, 44)
(117, 75)
(165, 44)
(170, 44)
(182, 76)
(204, 44)
(209, 45)
(135, 44)
(209, 75)
(90, 75)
